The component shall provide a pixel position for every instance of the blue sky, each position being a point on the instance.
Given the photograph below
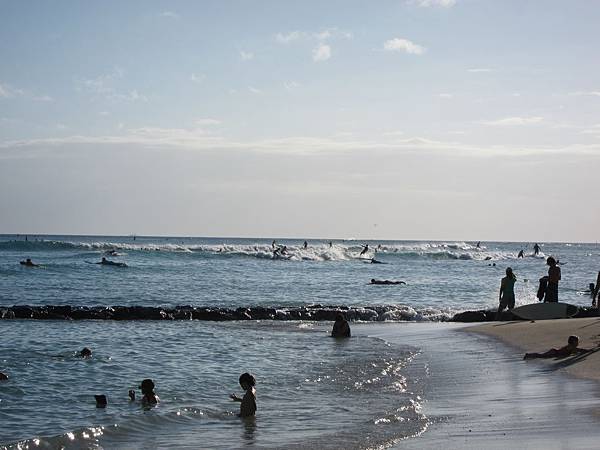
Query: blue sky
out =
(416, 119)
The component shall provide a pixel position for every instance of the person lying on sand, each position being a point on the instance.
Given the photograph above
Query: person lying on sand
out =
(374, 281)
(248, 401)
(568, 350)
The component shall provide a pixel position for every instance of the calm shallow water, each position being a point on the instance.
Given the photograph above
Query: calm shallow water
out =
(313, 391)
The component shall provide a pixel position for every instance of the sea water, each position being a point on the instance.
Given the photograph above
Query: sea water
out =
(313, 391)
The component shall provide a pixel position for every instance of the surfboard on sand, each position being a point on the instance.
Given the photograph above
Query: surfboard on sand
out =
(544, 311)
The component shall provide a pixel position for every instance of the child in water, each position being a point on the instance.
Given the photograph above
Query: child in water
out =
(149, 397)
(248, 406)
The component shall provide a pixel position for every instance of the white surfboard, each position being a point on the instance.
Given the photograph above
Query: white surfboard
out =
(544, 311)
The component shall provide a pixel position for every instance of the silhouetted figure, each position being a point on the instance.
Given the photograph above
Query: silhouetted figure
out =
(479, 244)
(375, 281)
(341, 328)
(568, 350)
(149, 397)
(305, 245)
(101, 401)
(248, 401)
(506, 297)
(554, 277)
(364, 250)
(85, 353)
(3, 376)
(520, 255)
(536, 249)
(29, 263)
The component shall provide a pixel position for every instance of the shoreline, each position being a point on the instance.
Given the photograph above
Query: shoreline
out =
(539, 336)
(481, 394)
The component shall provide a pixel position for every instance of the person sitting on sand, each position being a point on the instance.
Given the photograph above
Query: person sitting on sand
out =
(341, 327)
(568, 350)
(3, 376)
(374, 281)
(29, 263)
(85, 353)
(149, 397)
(506, 297)
(248, 401)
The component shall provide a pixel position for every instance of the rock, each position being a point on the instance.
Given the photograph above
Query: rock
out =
(470, 316)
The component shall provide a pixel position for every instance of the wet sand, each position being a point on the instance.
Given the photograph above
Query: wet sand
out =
(480, 394)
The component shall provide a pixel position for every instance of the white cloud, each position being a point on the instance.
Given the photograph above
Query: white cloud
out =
(479, 70)
(207, 122)
(197, 140)
(586, 93)
(321, 35)
(7, 91)
(246, 56)
(428, 3)
(321, 52)
(289, 37)
(512, 121)
(254, 90)
(197, 77)
(291, 85)
(169, 14)
(104, 86)
(403, 45)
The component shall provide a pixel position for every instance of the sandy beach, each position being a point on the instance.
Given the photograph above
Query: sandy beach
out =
(540, 336)
(481, 394)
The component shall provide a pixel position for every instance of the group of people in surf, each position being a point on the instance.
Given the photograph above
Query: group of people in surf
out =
(104, 261)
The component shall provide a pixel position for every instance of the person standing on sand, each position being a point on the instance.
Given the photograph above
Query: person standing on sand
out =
(595, 296)
(506, 297)
(553, 279)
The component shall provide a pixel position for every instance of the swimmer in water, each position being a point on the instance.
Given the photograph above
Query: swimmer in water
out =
(106, 262)
(101, 401)
(3, 376)
(248, 401)
(29, 263)
(149, 397)
(341, 328)
(374, 281)
(85, 353)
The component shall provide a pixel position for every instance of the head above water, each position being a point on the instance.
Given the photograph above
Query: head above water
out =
(340, 317)
(85, 352)
(247, 379)
(147, 386)
(573, 340)
(551, 261)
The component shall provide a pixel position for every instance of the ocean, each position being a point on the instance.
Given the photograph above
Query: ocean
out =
(313, 391)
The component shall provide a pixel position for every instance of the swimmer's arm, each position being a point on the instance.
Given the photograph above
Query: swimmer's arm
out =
(235, 398)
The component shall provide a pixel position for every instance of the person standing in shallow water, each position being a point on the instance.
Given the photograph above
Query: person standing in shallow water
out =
(506, 297)
(554, 277)
(341, 328)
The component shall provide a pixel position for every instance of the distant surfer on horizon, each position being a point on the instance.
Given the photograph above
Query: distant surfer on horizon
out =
(479, 244)
(305, 245)
(520, 255)
(536, 249)
(106, 262)
(29, 263)
(364, 250)
(375, 281)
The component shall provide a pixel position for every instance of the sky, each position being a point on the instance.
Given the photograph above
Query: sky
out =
(406, 119)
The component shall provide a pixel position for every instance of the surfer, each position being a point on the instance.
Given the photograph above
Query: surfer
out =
(341, 328)
(248, 401)
(106, 262)
(29, 263)
(305, 245)
(506, 297)
(85, 353)
(3, 376)
(111, 252)
(520, 255)
(149, 397)
(274, 244)
(553, 279)
(330, 244)
(479, 244)
(536, 249)
(376, 261)
(364, 250)
(568, 350)
(375, 281)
